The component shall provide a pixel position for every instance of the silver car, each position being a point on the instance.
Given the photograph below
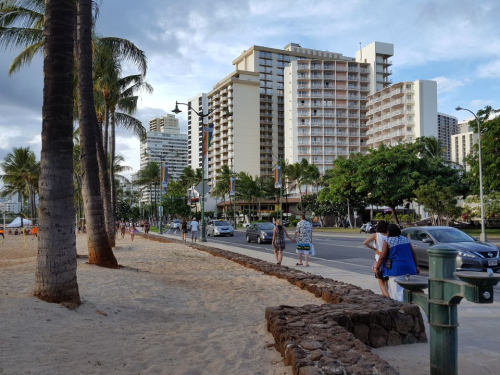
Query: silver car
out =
(219, 228)
(473, 255)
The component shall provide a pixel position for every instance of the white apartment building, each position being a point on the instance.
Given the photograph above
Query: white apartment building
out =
(325, 114)
(402, 112)
(463, 142)
(169, 121)
(269, 102)
(195, 129)
(239, 134)
(10, 204)
(447, 126)
(168, 145)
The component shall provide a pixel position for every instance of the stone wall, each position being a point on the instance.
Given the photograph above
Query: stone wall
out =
(331, 338)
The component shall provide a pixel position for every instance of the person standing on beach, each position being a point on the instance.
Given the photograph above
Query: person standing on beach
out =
(35, 231)
(378, 239)
(184, 229)
(132, 231)
(122, 229)
(194, 230)
(303, 237)
(146, 227)
(279, 233)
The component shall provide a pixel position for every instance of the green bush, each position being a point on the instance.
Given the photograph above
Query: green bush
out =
(293, 222)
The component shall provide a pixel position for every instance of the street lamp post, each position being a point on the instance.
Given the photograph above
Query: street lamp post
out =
(202, 116)
(483, 231)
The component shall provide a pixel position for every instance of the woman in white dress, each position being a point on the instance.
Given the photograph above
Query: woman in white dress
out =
(378, 239)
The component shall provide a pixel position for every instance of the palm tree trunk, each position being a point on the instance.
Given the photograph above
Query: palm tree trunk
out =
(100, 252)
(112, 145)
(55, 277)
(106, 127)
(105, 191)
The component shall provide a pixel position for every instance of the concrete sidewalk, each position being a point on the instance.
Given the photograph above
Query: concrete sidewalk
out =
(479, 331)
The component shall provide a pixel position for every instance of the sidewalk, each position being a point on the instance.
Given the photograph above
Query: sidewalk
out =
(479, 331)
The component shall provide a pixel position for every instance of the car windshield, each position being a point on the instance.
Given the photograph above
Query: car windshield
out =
(265, 226)
(450, 235)
(221, 223)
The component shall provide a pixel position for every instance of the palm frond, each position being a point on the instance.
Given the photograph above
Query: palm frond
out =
(13, 37)
(127, 50)
(25, 57)
(130, 123)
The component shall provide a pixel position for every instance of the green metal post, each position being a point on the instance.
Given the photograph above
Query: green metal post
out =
(203, 224)
(443, 318)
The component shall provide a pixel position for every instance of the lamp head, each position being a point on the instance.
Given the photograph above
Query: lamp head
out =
(458, 108)
(176, 109)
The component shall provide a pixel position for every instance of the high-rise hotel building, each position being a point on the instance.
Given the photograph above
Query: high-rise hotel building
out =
(321, 95)
(447, 126)
(195, 129)
(402, 112)
(325, 114)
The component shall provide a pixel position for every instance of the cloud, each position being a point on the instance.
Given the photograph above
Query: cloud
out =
(479, 103)
(489, 70)
(445, 84)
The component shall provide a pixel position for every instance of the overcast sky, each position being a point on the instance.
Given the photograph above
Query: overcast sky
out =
(190, 46)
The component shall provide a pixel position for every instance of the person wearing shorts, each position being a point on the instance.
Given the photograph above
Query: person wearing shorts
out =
(194, 230)
(303, 237)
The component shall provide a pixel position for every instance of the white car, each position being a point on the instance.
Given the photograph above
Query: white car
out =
(175, 224)
(220, 228)
(246, 225)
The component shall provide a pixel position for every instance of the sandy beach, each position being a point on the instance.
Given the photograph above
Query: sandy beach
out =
(170, 310)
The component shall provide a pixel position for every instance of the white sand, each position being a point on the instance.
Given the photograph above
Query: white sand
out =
(172, 310)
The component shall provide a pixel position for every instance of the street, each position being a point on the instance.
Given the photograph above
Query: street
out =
(345, 252)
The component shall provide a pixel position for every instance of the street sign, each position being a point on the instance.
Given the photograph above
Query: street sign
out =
(199, 188)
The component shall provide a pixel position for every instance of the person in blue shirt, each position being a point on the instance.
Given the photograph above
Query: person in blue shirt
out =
(397, 259)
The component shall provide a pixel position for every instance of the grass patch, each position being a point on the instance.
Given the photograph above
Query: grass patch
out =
(477, 232)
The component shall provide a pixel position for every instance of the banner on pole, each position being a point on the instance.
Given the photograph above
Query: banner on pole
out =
(164, 176)
(277, 176)
(207, 137)
(232, 186)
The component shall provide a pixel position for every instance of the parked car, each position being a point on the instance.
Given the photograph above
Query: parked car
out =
(246, 225)
(286, 223)
(473, 255)
(316, 224)
(369, 227)
(424, 222)
(219, 228)
(175, 224)
(260, 232)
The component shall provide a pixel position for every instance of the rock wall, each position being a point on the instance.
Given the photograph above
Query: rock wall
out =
(332, 338)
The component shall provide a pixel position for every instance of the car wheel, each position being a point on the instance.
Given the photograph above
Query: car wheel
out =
(248, 238)
(231, 235)
(259, 241)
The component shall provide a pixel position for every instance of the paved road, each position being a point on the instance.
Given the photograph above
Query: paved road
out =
(344, 252)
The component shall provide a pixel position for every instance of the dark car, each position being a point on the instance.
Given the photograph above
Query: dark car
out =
(260, 232)
(472, 255)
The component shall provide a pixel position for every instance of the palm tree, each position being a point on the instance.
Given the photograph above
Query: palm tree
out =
(21, 171)
(55, 277)
(148, 177)
(100, 252)
(221, 188)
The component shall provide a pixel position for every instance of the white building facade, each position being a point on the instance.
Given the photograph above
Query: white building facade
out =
(463, 142)
(169, 145)
(167, 121)
(402, 112)
(195, 129)
(237, 138)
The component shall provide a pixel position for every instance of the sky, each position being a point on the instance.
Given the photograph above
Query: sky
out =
(190, 46)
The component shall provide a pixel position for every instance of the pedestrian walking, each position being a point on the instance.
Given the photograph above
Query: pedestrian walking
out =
(304, 238)
(279, 233)
(194, 230)
(398, 258)
(146, 227)
(376, 242)
(184, 229)
(132, 231)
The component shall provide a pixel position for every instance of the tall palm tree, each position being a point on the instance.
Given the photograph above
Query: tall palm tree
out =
(221, 188)
(55, 277)
(148, 177)
(100, 252)
(21, 171)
